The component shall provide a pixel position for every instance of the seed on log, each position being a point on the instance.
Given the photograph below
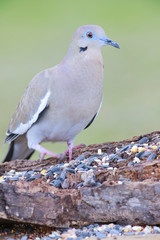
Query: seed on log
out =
(152, 156)
(143, 140)
(56, 183)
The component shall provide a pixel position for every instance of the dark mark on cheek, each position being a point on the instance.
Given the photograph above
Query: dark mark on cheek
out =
(83, 49)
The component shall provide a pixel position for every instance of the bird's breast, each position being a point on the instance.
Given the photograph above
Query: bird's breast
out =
(76, 98)
(82, 87)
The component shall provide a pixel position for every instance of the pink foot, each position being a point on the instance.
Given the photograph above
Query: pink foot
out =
(43, 151)
(70, 148)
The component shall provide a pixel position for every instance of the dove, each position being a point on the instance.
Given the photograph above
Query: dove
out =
(60, 101)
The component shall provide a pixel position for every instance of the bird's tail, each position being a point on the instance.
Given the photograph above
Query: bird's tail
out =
(18, 149)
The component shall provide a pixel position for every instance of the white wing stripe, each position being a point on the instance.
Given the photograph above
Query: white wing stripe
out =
(23, 127)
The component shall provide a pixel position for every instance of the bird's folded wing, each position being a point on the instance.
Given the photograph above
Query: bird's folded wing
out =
(32, 103)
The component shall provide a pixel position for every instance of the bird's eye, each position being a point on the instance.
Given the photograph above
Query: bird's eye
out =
(89, 34)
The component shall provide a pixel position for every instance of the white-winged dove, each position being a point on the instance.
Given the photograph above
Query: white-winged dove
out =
(60, 101)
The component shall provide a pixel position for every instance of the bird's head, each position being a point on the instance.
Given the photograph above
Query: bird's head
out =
(90, 36)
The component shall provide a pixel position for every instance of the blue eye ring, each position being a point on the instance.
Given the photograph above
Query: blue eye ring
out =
(89, 34)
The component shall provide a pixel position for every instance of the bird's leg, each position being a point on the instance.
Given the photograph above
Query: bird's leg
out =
(70, 148)
(43, 151)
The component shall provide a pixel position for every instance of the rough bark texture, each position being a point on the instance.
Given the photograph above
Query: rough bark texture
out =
(135, 202)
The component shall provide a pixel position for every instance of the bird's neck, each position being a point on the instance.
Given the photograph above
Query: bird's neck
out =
(86, 69)
(84, 55)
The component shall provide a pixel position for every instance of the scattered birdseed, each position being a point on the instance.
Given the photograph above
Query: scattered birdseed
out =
(154, 147)
(141, 149)
(35, 177)
(120, 182)
(134, 149)
(49, 174)
(145, 154)
(55, 169)
(24, 237)
(124, 179)
(13, 178)
(136, 160)
(70, 170)
(99, 151)
(151, 156)
(43, 172)
(56, 183)
(130, 163)
(104, 165)
(124, 148)
(121, 160)
(143, 140)
(57, 174)
(79, 185)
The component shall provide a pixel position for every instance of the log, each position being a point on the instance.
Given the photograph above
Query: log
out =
(130, 202)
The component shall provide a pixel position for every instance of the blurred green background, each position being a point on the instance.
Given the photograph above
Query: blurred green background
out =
(35, 35)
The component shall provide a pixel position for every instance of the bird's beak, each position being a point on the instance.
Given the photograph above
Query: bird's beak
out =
(108, 41)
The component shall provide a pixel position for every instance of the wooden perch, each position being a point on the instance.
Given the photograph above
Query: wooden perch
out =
(129, 202)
